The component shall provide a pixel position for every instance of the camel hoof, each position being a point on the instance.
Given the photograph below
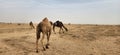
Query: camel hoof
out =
(36, 51)
(47, 47)
(43, 49)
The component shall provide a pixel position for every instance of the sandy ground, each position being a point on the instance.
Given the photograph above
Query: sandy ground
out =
(19, 39)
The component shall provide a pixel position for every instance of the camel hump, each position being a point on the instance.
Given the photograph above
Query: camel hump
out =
(45, 19)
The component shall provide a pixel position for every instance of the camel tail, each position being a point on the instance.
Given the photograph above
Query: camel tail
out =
(65, 28)
(38, 31)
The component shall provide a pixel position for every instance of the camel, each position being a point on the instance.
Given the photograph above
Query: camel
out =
(31, 25)
(51, 22)
(45, 27)
(60, 25)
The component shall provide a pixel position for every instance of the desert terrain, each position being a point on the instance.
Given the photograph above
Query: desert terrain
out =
(81, 39)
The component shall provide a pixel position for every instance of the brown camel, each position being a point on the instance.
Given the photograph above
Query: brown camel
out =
(31, 25)
(45, 28)
(60, 25)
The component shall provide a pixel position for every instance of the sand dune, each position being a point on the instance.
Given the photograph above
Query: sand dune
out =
(79, 40)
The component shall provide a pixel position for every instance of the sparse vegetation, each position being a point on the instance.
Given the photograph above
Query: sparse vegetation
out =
(79, 40)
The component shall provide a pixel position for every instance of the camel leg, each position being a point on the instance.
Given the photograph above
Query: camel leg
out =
(42, 41)
(48, 37)
(47, 41)
(62, 30)
(37, 39)
(37, 45)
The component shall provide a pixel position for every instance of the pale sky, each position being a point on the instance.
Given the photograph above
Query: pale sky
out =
(68, 11)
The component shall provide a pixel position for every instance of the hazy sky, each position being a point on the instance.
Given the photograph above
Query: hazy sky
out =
(68, 11)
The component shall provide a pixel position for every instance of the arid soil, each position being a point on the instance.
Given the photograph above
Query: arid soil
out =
(19, 39)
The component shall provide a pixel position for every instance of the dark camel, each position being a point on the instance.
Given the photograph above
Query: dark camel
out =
(60, 25)
(45, 28)
(31, 25)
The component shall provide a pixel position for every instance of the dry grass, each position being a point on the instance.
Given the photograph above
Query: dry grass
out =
(79, 40)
